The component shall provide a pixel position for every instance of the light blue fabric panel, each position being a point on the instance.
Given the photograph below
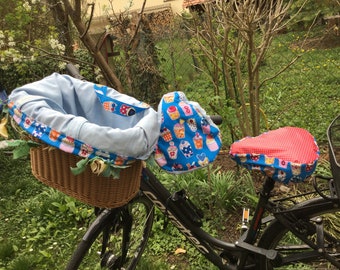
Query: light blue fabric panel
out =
(106, 120)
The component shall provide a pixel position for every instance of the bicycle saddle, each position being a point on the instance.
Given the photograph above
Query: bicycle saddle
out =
(286, 154)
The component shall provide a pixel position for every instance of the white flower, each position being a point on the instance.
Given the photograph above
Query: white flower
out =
(61, 47)
(16, 59)
(27, 6)
(11, 43)
(62, 65)
(53, 43)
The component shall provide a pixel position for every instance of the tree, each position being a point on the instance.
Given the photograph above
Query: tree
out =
(234, 36)
(138, 64)
(75, 13)
(27, 36)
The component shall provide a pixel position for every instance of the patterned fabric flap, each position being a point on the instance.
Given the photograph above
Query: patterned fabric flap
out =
(189, 139)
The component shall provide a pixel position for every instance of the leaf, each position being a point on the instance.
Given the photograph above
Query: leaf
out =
(45, 253)
(115, 173)
(106, 172)
(33, 144)
(21, 150)
(80, 166)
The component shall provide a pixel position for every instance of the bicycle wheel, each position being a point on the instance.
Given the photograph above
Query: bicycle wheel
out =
(293, 251)
(116, 239)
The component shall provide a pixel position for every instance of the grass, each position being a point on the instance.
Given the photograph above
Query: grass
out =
(39, 226)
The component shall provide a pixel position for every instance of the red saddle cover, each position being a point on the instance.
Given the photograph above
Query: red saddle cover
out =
(286, 154)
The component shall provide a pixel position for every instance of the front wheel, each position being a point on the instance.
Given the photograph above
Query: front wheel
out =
(116, 239)
(293, 251)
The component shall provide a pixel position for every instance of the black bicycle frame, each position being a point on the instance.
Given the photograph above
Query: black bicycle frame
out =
(209, 246)
(203, 241)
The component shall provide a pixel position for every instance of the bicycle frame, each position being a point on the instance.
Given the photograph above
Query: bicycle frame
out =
(159, 195)
(241, 254)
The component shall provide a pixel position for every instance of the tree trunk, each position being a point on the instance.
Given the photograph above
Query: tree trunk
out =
(62, 23)
(90, 44)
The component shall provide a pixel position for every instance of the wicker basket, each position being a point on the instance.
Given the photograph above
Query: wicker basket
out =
(52, 167)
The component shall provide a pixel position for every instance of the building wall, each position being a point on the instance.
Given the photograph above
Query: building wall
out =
(103, 9)
(121, 5)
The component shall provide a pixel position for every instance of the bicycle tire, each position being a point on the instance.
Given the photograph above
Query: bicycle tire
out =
(277, 237)
(91, 252)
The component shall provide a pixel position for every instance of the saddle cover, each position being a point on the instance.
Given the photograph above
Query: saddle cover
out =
(86, 119)
(286, 154)
(188, 137)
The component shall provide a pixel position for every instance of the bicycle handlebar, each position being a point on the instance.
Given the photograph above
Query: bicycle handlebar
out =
(217, 119)
(73, 71)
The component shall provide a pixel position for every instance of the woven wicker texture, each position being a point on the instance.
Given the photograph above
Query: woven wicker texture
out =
(52, 167)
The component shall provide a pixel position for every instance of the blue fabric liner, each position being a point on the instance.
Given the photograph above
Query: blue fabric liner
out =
(86, 119)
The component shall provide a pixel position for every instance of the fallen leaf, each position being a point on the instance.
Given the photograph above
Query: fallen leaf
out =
(3, 129)
(180, 251)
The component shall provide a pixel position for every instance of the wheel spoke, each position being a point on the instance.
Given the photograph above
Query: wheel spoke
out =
(120, 242)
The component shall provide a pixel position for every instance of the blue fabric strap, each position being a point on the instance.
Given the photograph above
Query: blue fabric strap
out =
(116, 106)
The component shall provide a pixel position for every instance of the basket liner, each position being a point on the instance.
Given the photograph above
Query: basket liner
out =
(286, 154)
(52, 167)
(86, 119)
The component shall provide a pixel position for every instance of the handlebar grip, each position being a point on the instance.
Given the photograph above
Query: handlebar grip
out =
(217, 119)
(73, 71)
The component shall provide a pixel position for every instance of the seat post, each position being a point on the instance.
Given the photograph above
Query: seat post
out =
(250, 236)
(255, 223)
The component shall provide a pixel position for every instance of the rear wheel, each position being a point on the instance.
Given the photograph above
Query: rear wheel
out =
(116, 239)
(290, 247)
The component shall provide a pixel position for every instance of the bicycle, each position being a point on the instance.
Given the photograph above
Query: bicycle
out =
(122, 233)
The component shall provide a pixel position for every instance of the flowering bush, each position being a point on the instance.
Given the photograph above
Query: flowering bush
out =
(29, 46)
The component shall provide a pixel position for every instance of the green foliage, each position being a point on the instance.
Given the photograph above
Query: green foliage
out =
(306, 95)
(6, 250)
(216, 192)
(313, 10)
(39, 227)
(36, 222)
(323, 168)
(29, 46)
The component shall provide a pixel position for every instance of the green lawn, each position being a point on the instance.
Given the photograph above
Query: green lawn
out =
(39, 226)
